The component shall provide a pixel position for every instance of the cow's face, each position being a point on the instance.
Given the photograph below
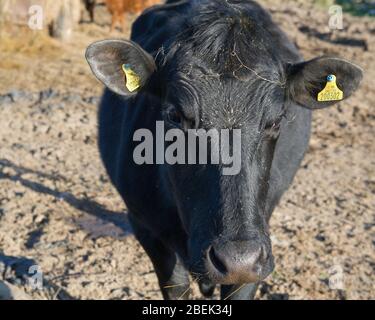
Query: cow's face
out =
(222, 205)
(224, 213)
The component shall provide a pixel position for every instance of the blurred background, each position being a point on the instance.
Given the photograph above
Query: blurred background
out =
(59, 212)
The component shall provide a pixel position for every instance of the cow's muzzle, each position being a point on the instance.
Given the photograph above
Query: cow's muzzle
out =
(238, 262)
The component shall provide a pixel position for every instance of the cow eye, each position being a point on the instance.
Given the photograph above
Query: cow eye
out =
(175, 117)
(273, 128)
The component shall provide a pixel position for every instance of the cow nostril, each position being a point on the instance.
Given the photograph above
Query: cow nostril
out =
(216, 262)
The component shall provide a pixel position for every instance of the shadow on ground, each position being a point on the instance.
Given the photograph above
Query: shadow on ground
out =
(98, 220)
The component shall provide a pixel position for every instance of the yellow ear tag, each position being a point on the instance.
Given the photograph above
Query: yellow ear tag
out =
(331, 92)
(132, 81)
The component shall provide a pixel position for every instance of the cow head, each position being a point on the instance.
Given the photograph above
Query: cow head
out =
(211, 82)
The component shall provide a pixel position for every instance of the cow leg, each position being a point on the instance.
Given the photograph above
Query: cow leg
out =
(173, 277)
(92, 14)
(239, 292)
(114, 22)
(207, 288)
(123, 23)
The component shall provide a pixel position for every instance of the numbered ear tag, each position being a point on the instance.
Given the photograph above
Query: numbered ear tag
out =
(132, 81)
(331, 92)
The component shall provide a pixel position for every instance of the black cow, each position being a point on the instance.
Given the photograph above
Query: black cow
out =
(210, 64)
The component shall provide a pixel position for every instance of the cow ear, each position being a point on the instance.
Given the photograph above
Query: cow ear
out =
(123, 66)
(322, 82)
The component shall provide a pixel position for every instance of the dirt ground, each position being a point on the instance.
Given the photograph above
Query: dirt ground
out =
(58, 209)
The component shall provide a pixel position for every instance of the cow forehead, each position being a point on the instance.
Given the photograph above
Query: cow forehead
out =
(227, 102)
(225, 41)
(243, 64)
(233, 110)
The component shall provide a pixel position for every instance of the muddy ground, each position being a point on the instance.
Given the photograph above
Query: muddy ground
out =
(59, 211)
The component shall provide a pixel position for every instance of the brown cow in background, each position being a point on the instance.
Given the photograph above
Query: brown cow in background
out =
(118, 8)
